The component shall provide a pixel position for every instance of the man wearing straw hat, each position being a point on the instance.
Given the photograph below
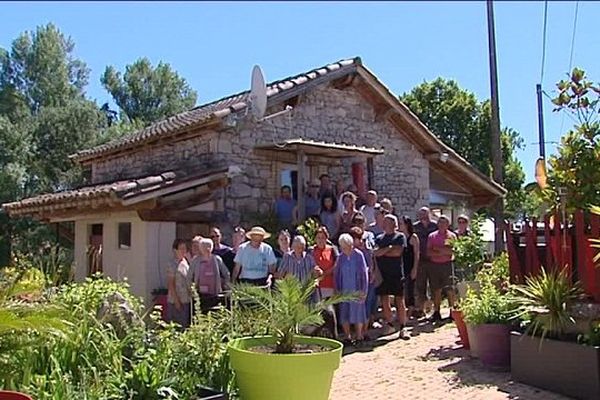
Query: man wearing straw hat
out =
(255, 260)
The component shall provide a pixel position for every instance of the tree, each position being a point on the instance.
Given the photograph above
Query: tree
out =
(461, 121)
(576, 167)
(147, 94)
(44, 117)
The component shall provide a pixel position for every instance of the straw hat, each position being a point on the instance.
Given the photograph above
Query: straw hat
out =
(258, 230)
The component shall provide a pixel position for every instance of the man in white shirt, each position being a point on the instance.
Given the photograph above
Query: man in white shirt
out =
(255, 261)
(368, 210)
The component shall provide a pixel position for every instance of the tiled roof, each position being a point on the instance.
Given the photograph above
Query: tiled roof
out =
(213, 110)
(87, 194)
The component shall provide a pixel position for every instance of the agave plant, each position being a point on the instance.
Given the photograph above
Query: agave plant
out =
(544, 303)
(289, 307)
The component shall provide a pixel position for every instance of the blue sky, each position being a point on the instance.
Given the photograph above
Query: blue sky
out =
(214, 45)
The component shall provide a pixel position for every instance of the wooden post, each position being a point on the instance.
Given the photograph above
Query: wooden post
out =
(370, 174)
(301, 159)
(496, 146)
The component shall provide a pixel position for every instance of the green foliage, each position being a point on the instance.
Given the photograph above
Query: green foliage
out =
(308, 229)
(469, 251)
(146, 93)
(456, 116)
(488, 306)
(496, 273)
(67, 353)
(289, 307)
(90, 294)
(543, 303)
(592, 338)
(576, 167)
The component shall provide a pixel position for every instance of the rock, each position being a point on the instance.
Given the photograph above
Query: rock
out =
(116, 311)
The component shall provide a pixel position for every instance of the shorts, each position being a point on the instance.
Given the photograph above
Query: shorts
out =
(392, 283)
(438, 275)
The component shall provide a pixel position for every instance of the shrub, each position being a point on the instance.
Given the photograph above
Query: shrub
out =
(90, 294)
(543, 303)
(469, 251)
(489, 306)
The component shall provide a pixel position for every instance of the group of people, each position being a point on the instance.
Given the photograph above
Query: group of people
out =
(334, 207)
(369, 251)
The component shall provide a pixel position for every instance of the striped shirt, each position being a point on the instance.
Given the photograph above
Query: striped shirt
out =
(301, 267)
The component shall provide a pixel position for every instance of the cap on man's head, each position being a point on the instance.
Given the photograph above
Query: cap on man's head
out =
(372, 192)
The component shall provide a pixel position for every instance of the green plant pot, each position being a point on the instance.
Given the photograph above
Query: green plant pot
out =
(263, 376)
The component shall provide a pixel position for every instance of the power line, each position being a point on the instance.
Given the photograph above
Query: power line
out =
(562, 120)
(573, 37)
(544, 41)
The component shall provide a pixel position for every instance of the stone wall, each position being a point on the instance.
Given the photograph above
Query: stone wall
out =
(323, 114)
(331, 115)
(190, 156)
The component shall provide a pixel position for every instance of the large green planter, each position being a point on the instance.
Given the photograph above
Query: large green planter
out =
(284, 376)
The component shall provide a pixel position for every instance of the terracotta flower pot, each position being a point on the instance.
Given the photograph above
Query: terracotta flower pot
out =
(473, 344)
(9, 395)
(457, 316)
(494, 345)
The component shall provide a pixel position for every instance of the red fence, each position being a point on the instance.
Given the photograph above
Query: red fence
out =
(554, 243)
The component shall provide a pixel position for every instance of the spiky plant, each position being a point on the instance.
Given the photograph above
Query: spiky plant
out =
(544, 301)
(289, 307)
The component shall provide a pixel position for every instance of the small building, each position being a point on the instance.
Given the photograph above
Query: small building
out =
(215, 164)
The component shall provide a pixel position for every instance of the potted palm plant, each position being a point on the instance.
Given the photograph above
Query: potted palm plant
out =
(286, 365)
(546, 352)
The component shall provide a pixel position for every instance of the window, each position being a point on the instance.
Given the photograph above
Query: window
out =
(124, 235)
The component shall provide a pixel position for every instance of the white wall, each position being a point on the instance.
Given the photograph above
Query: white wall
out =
(143, 264)
(159, 240)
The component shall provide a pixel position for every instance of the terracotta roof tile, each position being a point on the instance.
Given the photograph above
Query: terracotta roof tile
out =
(204, 113)
(114, 190)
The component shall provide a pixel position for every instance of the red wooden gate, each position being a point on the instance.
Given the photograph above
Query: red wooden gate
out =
(554, 243)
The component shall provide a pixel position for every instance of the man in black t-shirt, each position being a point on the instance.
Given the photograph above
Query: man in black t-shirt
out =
(388, 256)
(225, 252)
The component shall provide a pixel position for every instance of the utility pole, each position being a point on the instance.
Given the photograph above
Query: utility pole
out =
(538, 89)
(496, 146)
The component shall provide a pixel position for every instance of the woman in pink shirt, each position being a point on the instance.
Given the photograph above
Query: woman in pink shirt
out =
(210, 275)
(439, 269)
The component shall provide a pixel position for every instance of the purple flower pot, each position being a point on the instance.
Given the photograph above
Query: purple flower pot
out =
(493, 342)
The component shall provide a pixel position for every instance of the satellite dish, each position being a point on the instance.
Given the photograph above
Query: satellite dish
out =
(258, 93)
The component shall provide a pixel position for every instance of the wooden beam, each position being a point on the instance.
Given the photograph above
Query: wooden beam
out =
(382, 112)
(181, 204)
(301, 181)
(343, 82)
(182, 216)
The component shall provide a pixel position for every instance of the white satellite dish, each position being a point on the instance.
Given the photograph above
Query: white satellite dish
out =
(258, 93)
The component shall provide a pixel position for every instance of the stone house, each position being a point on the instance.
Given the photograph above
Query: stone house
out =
(215, 164)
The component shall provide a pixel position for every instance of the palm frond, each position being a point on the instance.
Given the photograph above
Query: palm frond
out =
(290, 307)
